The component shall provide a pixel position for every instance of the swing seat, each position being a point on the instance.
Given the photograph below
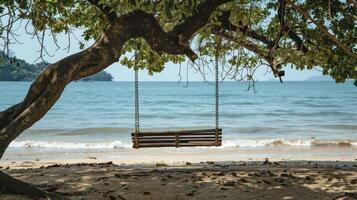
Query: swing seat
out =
(182, 138)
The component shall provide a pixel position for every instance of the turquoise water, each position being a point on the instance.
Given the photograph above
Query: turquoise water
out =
(101, 114)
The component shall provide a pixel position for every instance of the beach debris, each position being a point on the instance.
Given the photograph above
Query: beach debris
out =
(234, 174)
(37, 159)
(146, 193)
(229, 183)
(266, 162)
(243, 180)
(210, 162)
(124, 186)
(308, 178)
(92, 158)
(220, 174)
(254, 174)
(161, 165)
(188, 163)
(278, 163)
(354, 181)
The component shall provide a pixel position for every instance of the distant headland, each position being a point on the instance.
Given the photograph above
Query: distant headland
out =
(14, 69)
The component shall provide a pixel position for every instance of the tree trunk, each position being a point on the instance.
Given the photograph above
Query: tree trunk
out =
(49, 85)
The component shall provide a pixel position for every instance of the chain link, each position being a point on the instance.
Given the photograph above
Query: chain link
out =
(137, 119)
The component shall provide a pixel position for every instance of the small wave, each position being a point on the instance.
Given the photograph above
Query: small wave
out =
(69, 145)
(80, 131)
(265, 143)
(286, 143)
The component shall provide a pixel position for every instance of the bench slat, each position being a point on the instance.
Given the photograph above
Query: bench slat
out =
(173, 140)
(181, 145)
(170, 137)
(213, 132)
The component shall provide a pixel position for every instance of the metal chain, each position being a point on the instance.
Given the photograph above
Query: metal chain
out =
(217, 93)
(137, 119)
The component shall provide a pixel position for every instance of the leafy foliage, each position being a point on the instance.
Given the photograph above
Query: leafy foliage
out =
(304, 34)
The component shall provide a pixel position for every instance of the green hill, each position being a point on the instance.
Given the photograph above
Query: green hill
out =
(14, 69)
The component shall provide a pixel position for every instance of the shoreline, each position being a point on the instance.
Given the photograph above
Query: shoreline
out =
(34, 159)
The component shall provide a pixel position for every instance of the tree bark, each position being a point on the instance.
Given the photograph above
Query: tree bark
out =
(49, 85)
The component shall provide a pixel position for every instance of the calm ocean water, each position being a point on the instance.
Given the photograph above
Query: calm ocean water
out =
(99, 115)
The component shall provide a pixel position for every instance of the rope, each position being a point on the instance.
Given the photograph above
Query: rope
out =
(137, 119)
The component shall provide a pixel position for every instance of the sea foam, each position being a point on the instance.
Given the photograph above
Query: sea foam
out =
(244, 143)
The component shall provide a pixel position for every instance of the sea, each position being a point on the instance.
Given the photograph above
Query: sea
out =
(100, 115)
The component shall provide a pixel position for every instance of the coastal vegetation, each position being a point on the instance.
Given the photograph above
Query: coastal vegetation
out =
(243, 35)
(14, 69)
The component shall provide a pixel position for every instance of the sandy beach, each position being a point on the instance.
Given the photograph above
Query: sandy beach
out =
(206, 180)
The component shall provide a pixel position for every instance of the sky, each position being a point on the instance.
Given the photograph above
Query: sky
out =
(29, 50)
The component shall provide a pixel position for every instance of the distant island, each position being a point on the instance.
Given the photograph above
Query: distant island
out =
(14, 69)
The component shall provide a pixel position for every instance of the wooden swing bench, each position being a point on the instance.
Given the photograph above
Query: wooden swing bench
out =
(179, 138)
(182, 138)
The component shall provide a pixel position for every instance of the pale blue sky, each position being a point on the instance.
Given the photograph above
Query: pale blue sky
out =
(29, 52)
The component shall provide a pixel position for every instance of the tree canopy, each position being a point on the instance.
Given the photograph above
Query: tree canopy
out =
(242, 34)
(275, 33)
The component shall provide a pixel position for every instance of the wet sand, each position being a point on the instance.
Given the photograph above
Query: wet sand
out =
(263, 179)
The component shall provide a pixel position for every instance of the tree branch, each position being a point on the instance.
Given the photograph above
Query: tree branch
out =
(228, 26)
(198, 19)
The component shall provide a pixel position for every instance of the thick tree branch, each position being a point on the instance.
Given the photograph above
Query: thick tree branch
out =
(299, 44)
(228, 26)
(198, 19)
